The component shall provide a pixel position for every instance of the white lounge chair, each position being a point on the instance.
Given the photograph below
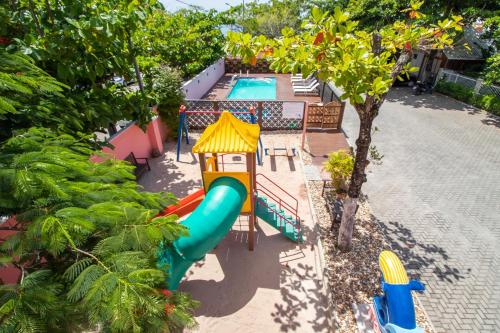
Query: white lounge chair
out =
(311, 89)
(304, 83)
(300, 77)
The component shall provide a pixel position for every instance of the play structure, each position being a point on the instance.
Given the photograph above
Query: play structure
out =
(394, 310)
(183, 129)
(225, 196)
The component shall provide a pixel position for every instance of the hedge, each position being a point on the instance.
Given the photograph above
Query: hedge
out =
(490, 103)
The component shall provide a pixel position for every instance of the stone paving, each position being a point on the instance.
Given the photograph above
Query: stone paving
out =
(437, 195)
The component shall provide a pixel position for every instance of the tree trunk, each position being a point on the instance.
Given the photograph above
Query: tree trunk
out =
(38, 27)
(358, 176)
(366, 112)
(49, 12)
(136, 66)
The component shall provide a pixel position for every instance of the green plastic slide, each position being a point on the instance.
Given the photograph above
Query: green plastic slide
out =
(208, 224)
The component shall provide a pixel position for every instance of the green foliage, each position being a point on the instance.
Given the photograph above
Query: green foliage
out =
(333, 46)
(491, 73)
(373, 14)
(188, 40)
(165, 84)
(33, 305)
(82, 44)
(455, 90)
(489, 103)
(30, 97)
(27, 93)
(268, 18)
(340, 165)
(87, 226)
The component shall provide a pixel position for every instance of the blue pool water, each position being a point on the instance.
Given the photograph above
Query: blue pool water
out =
(254, 88)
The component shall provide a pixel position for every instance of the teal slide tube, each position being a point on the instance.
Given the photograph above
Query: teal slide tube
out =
(208, 224)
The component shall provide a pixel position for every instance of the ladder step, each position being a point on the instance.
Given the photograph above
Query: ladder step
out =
(278, 218)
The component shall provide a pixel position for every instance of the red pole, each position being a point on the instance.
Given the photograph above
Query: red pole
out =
(304, 128)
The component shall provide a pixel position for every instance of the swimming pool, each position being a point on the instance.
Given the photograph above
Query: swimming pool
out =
(254, 88)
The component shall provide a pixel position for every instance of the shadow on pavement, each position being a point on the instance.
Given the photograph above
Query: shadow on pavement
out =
(437, 102)
(433, 101)
(274, 264)
(417, 256)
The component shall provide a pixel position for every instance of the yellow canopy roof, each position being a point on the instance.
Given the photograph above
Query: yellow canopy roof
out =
(228, 135)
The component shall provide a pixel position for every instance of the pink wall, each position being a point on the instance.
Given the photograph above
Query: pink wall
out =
(9, 274)
(134, 139)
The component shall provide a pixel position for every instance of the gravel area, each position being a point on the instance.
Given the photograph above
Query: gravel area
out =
(354, 277)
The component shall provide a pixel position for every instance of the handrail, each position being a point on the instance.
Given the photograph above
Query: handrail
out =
(278, 200)
(298, 226)
(283, 190)
(222, 157)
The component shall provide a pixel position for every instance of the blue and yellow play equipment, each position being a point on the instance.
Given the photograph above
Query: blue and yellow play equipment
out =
(227, 194)
(395, 310)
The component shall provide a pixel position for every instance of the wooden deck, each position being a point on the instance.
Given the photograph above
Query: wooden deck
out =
(323, 142)
(284, 91)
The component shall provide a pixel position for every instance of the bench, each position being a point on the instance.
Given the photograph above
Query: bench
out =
(140, 168)
(272, 151)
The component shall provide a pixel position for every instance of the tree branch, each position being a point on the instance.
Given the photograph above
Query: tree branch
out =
(134, 61)
(403, 59)
(93, 257)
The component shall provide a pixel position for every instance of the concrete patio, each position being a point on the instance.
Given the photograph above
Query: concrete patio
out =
(276, 288)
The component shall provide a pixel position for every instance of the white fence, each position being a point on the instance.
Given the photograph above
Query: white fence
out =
(476, 84)
(199, 85)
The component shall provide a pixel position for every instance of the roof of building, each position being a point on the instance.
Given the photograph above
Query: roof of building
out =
(469, 47)
(228, 135)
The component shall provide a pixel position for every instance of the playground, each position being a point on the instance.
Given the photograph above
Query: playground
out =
(278, 286)
(253, 255)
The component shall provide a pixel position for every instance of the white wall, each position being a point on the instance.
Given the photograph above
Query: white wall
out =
(199, 85)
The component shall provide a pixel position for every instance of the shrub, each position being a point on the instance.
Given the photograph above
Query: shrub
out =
(164, 84)
(492, 70)
(489, 103)
(340, 165)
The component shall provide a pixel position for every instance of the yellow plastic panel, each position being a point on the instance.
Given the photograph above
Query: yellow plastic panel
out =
(393, 270)
(243, 177)
(228, 135)
(210, 163)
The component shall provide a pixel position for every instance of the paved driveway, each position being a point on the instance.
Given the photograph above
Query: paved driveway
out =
(437, 194)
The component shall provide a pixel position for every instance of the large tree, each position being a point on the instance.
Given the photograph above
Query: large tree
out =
(268, 18)
(85, 240)
(83, 44)
(82, 235)
(187, 39)
(364, 64)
